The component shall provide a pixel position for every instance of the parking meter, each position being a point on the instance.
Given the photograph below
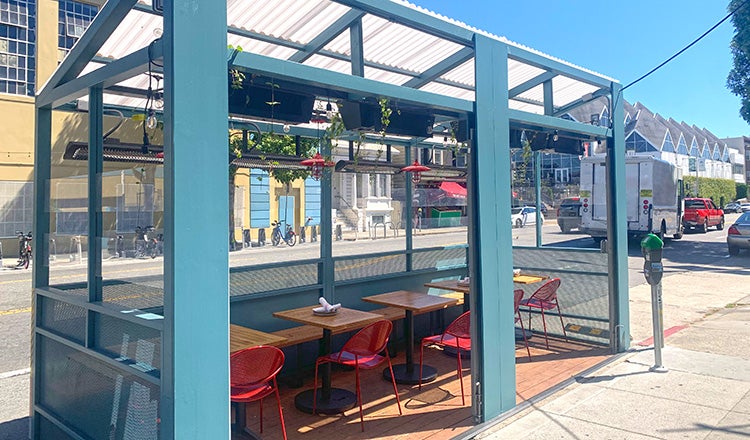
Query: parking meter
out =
(651, 247)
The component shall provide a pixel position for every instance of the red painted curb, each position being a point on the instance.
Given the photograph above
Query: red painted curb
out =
(667, 333)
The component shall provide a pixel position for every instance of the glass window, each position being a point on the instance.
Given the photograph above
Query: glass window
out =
(17, 40)
(73, 20)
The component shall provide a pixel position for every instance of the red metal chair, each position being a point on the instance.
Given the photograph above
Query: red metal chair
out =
(253, 376)
(517, 297)
(545, 298)
(457, 336)
(362, 351)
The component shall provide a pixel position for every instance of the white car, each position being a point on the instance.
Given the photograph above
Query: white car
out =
(745, 207)
(525, 215)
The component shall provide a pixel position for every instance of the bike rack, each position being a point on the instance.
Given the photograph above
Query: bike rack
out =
(374, 230)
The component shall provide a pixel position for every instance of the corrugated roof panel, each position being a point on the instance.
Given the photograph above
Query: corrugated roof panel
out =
(446, 90)
(328, 63)
(385, 76)
(135, 32)
(394, 44)
(519, 73)
(463, 74)
(385, 42)
(526, 107)
(567, 90)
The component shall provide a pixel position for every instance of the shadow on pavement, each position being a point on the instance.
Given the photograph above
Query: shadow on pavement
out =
(15, 429)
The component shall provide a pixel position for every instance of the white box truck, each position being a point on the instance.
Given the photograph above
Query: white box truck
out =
(653, 194)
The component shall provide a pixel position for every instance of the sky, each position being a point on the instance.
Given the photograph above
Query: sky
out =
(624, 40)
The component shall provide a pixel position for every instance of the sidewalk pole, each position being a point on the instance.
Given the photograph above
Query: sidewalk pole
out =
(657, 316)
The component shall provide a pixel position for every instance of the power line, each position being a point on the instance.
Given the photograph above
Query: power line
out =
(732, 12)
(688, 46)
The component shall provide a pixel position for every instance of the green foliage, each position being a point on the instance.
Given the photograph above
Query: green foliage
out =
(284, 145)
(714, 189)
(741, 189)
(738, 80)
(520, 176)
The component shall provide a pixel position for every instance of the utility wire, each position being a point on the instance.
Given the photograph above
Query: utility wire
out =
(688, 46)
(732, 12)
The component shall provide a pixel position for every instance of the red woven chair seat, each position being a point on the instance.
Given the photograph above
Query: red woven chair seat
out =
(250, 394)
(448, 340)
(349, 359)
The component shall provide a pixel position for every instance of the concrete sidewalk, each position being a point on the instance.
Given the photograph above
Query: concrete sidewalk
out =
(704, 395)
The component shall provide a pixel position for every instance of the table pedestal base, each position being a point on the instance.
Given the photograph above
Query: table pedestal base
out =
(410, 376)
(340, 401)
(519, 334)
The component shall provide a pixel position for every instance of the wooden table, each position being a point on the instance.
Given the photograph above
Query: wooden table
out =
(522, 278)
(411, 302)
(329, 400)
(242, 337)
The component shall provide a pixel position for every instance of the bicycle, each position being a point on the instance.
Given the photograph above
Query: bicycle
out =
(289, 237)
(24, 249)
(145, 247)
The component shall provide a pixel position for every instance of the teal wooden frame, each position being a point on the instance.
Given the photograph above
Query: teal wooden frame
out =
(197, 119)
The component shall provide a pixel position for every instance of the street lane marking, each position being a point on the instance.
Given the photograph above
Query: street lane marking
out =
(15, 311)
(15, 373)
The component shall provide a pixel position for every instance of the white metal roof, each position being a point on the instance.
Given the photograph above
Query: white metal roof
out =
(394, 53)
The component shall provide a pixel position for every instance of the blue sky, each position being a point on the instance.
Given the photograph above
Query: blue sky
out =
(624, 40)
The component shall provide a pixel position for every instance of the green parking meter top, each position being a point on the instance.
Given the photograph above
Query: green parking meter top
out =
(651, 242)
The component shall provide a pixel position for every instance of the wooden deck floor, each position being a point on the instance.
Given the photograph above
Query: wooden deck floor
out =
(433, 413)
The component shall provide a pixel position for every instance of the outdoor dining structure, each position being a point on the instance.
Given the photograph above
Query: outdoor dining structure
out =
(141, 351)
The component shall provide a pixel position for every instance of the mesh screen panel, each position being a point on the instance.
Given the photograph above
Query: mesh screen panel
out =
(93, 398)
(129, 342)
(137, 293)
(48, 430)
(439, 258)
(62, 318)
(365, 267)
(248, 280)
(584, 288)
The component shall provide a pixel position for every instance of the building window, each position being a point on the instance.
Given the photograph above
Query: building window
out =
(17, 46)
(562, 175)
(73, 20)
(16, 201)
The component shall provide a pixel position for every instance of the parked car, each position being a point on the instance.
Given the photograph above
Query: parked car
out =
(738, 235)
(732, 207)
(701, 213)
(569, 214)
(525, 215)
(745, 206)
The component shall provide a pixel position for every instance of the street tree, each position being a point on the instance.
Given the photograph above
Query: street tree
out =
(738, 81)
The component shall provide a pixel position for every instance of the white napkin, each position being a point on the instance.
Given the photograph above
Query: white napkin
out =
(464, 282)
(326, 307)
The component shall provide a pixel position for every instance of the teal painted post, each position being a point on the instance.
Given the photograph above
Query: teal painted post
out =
(491, 261)
(617, 237)
(195, 375)
(327, 275)
(40, 267)
(409, 207)
(96, 165)
(538, 196)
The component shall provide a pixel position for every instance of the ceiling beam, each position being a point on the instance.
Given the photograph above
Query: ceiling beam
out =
(461, 56)
(530, 84)
(109, 17)
(325, 37)
(117, 71)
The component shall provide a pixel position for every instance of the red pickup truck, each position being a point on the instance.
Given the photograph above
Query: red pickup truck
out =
(702, 214)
